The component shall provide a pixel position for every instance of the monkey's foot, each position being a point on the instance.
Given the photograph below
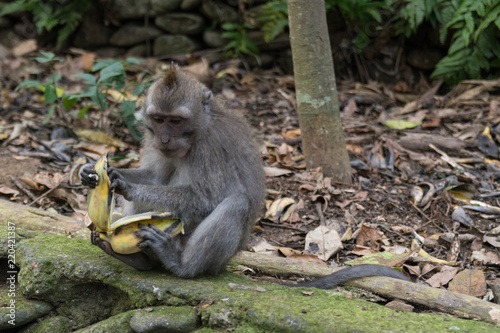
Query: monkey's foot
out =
(96, 240)
(162, 244)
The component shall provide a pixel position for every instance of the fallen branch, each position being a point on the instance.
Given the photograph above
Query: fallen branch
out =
(34, 219)
(439, 299)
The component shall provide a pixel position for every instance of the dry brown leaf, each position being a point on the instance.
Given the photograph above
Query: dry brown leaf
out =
(25, 47)
(7, 190)
(361, 196)
(402, 229)
(368, 234)
(362, 250)
(276, 172)
(287, 251)
(351, 107)
(88, 59)
(33, 184)
(469, 282)
(442, 278)
(413, 269)
(292, 134)
(50, 180)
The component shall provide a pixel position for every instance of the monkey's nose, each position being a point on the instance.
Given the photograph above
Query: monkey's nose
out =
(165, 138)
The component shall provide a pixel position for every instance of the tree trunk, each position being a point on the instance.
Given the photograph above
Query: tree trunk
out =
(317, 101)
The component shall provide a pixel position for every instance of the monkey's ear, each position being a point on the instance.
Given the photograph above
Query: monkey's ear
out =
(170, 76)
(206, 98)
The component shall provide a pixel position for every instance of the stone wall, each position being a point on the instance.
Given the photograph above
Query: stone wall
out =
(161, 28)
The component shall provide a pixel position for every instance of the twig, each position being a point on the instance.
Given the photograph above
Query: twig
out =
(23, 189)
(451, 161)
(319, 210)
(429, 220)
(283, 226)
(47, 192)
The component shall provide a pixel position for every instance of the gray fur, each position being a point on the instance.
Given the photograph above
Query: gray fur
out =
(216, 188)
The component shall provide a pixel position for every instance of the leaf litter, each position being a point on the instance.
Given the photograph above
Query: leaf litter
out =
(425, 195)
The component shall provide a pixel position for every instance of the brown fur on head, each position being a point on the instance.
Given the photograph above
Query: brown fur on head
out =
(176, 106)
(170, 77)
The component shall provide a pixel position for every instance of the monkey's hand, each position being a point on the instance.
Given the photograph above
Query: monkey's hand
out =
(120, 184)
(162, 244)
(88, 175)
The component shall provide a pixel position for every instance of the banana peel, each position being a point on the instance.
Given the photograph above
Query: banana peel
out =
(121, 234)
(101, 201)
(123, 238)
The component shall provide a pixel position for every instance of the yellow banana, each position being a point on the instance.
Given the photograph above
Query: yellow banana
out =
(121, 233)
(101, 201)
(123, 239)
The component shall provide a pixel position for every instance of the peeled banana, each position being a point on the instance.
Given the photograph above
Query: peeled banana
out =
(121, 233)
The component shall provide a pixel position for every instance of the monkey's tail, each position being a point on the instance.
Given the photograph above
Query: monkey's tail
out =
(351, 273)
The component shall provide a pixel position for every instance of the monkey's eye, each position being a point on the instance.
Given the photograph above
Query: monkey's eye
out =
(158, 120)
(175, 121)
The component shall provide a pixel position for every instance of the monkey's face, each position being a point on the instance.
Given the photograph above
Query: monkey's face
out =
(172, 132)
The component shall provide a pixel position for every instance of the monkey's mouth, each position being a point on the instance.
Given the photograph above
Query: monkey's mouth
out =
(174, 152)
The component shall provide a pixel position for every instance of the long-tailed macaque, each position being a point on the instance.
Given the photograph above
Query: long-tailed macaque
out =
(198, 162)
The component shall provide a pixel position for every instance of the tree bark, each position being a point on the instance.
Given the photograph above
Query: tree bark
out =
(317, 101)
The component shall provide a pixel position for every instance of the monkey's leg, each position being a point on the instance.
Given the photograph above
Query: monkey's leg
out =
(209, 247)
(139, 261)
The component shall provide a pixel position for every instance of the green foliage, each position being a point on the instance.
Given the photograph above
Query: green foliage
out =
(358, 13)
(51, 92)
(475, 29)
(239, 42)
(413, 13)
(64, 15)
(274, 16)
(111, 75)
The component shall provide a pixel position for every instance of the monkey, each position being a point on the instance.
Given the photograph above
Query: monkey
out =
(199, 162)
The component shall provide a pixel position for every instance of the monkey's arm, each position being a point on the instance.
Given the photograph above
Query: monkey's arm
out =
(181, 198)
(350, 273)
(134, 175)
(137, 175)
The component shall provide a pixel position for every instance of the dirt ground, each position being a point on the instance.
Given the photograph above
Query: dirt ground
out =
(408, 182)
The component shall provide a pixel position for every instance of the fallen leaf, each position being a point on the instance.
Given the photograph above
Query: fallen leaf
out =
(286, 251)
(88, 59)
(322, 242)
(292, 134)
(469, 282)
(442, 278)
(100, 137)
(367, 234)
(25, 47)
(7, 190)
(276, 172)
(264, 247)
(401, 124)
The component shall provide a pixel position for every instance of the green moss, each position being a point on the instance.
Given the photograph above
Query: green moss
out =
(49, 263)
(50, 325)
(118, 323)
